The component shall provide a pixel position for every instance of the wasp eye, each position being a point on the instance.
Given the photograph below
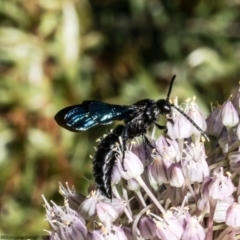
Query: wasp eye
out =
(167, 108)
(164, 106)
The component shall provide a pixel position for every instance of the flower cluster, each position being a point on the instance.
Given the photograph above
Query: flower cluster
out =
(177, 190)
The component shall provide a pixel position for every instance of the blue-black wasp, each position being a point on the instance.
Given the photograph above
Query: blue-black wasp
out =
(137, 119)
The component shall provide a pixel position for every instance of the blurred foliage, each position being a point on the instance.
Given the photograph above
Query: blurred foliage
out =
(55, 53)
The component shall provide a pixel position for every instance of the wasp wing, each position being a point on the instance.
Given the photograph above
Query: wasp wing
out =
(75, 118)
(104, 113)
(90, 113)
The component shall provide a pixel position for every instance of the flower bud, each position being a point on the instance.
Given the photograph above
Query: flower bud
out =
(106, 213)
(214, 123)
(193, 230)
(158, 171)
(119, 234)
(205, 187)
(169, 228)
(233, 215)
(221, 186)
(182, 215)
(153, 183)
(88, 208)
(128, 232)
(133, 166)
(180, 129)
(143, 152)
(221, 210)
(229, 115)
(168, 149)
(175, 175)
(194, 164)
(236, 101)
(147, 228)
(118, 204)
(197, 117)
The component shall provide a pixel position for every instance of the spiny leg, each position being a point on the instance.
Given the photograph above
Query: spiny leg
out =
(122, 145)
(146, 143)
(123, 149)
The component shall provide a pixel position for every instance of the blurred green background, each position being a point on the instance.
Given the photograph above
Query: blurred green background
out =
(55, 53)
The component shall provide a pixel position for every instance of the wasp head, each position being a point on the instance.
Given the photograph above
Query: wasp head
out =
(164, 106)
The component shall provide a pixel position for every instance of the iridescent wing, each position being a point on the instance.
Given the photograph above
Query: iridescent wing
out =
(90, 113)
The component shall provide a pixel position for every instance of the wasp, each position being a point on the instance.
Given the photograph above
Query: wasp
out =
(137, 119)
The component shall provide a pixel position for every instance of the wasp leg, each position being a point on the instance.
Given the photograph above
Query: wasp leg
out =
(124, 145)
(146, 143)
(124, 142)
(160, 127)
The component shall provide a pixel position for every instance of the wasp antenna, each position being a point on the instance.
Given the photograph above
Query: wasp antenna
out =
(170, 87)
(191, 121)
